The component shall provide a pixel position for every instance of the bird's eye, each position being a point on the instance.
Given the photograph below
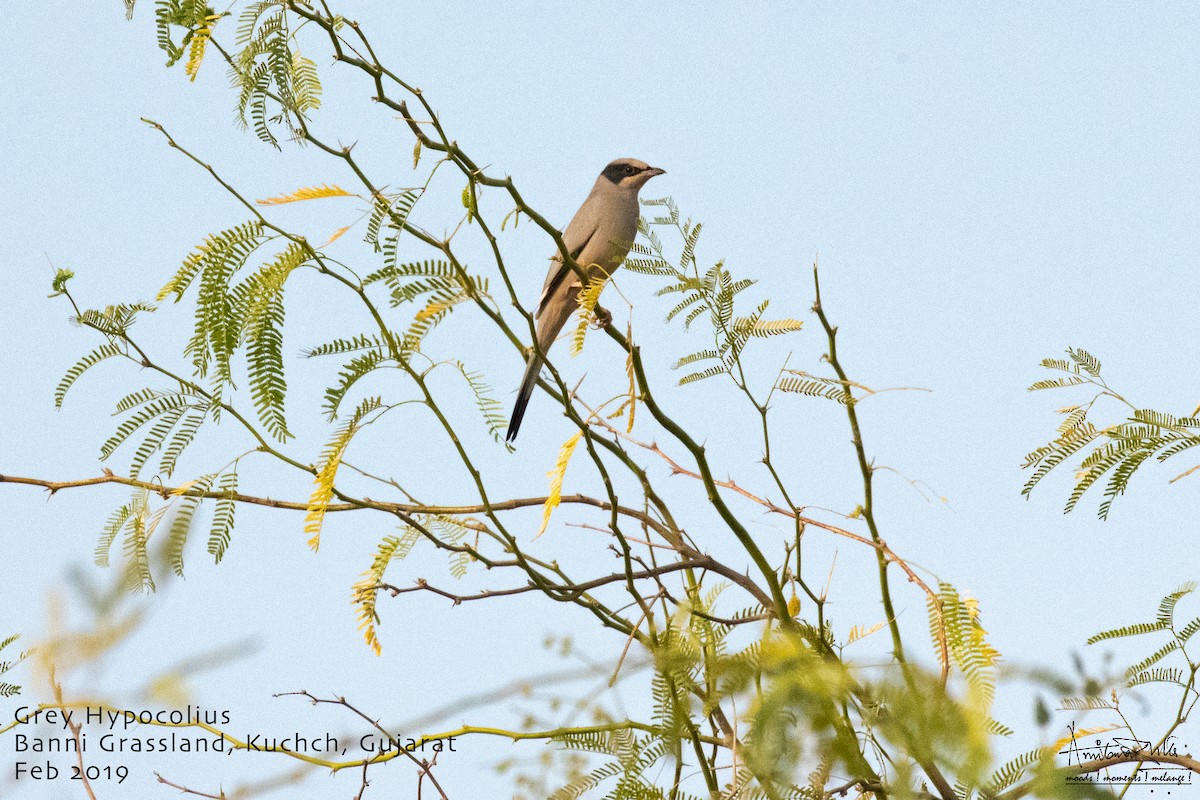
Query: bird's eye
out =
(630, 169)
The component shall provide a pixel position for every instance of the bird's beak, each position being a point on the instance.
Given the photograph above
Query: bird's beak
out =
(652, 171)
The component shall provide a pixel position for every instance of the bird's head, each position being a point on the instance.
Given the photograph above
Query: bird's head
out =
(629, 173)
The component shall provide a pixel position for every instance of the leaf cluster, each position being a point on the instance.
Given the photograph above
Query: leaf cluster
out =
(1111, 453)
(709, 295)
(10, 689)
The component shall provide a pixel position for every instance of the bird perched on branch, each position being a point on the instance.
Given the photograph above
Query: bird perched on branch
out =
(598, 239)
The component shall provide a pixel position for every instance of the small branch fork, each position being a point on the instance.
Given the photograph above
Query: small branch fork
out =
(185, 790)
(424, 768)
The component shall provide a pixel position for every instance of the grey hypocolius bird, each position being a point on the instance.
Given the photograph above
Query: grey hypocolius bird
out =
(598, 238)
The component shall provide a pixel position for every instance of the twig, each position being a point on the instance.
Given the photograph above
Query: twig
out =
(571, 591)
(186, 790)
(423, 766)
(75, 729)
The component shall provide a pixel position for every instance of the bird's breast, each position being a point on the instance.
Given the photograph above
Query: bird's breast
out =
(610, 244)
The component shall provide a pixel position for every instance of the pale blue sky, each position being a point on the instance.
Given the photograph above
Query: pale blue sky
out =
(985, 187)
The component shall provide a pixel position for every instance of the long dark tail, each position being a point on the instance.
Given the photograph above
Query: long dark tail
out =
(533, 368)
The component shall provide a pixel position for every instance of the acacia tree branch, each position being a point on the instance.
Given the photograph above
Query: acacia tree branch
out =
(700, 562)
(865, 468)
(867, 471)
(696, 559)
(165, 491)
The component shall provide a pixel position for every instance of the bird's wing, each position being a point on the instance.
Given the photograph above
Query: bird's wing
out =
(576, 237)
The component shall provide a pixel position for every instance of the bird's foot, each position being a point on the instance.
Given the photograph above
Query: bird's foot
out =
(601, 317)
